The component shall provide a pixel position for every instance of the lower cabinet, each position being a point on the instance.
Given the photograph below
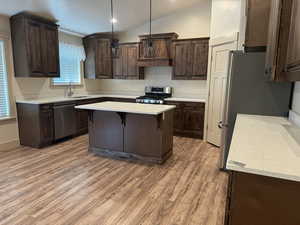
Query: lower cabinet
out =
(46, 124)
(188, 119)
(36, 124)
(261, 200)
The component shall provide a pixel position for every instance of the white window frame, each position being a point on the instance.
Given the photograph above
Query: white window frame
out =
(73, 84)
(9, 72)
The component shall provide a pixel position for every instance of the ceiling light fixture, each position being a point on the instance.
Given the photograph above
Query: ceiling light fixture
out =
(114, 42)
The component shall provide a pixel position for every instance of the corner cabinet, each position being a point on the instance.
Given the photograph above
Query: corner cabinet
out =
(283, 52)
(125, 63)
(98, 63)
(35, 46)
(190, 59)
(188, 119)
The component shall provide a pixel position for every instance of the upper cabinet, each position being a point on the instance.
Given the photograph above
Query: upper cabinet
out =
(98, 63)
(254, 24)
(190, 59)
(125, 63)
(160, 54)
(283, 53)
(35, 46)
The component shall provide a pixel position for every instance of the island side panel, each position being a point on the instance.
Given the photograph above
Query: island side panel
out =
(106, 131)
(149, 137)
(168, 132)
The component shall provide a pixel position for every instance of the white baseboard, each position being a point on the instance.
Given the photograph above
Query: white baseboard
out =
(9, 145)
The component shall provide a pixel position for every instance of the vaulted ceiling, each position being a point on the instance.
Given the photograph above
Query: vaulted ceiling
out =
(90, 16)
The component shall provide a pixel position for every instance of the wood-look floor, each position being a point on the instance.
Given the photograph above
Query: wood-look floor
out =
(64, 184)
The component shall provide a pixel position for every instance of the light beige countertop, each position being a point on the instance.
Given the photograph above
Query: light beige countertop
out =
(137, 108)
(79, 97)
(74, 98)
(264, 145)
(176, 99)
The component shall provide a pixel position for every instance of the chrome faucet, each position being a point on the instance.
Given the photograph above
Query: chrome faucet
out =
(69, 91)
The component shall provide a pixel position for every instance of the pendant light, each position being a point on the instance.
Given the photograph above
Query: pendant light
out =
(150, 48)
(114, 42)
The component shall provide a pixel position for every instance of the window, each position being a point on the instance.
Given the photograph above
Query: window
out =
(4, 94)
(70, 57)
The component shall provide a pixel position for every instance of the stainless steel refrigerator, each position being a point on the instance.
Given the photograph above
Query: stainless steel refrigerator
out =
(250, 92)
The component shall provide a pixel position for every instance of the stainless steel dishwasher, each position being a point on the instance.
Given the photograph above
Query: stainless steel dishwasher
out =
(64, 120)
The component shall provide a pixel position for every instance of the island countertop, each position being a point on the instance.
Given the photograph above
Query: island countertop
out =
(264, 145)
(149, 109)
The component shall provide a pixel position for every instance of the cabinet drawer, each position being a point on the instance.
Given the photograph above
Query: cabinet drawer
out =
(45, 107)
(193, 106)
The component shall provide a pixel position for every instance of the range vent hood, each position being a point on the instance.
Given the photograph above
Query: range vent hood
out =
(159, 54)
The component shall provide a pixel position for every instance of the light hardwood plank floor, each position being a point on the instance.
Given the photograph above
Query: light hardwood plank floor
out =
(64, 184)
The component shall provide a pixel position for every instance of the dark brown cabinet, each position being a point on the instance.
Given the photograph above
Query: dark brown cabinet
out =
(190, 59)
(283, 52)
(35, 46)
(36, 124)
(261, 200)
(161, 53)
(125, 63)
(188, 119)
(98, 63)
(255, 24)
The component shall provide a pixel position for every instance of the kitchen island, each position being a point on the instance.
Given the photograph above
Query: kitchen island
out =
(132, 131)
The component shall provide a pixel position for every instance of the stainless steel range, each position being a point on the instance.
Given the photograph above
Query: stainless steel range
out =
(155, 95)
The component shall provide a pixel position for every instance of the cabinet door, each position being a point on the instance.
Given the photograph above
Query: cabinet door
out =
(193, 122)
(82, 121)
(132, 68)
(258, 14)
(90, 61)
(292, 65)
(50, 48)
(34, 48)
(178, 117)
(119, 62)
(46, 125)
(182, 66)
(283, 52)
(103, 59)
(199, 60)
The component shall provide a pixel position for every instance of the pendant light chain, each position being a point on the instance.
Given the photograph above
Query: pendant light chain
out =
(150, 22)
(112, 19)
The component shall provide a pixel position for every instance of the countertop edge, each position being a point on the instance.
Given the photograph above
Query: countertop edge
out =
(125, 111)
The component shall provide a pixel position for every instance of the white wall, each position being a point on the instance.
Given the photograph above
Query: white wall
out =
(188, 23)
(225, 17)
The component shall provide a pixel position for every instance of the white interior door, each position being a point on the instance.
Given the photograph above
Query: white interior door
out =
(219, 70)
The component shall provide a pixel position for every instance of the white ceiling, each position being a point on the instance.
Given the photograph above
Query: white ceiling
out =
(90, 16)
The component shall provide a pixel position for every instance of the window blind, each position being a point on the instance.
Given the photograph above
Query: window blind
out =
(4, 97)
(70, 57)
